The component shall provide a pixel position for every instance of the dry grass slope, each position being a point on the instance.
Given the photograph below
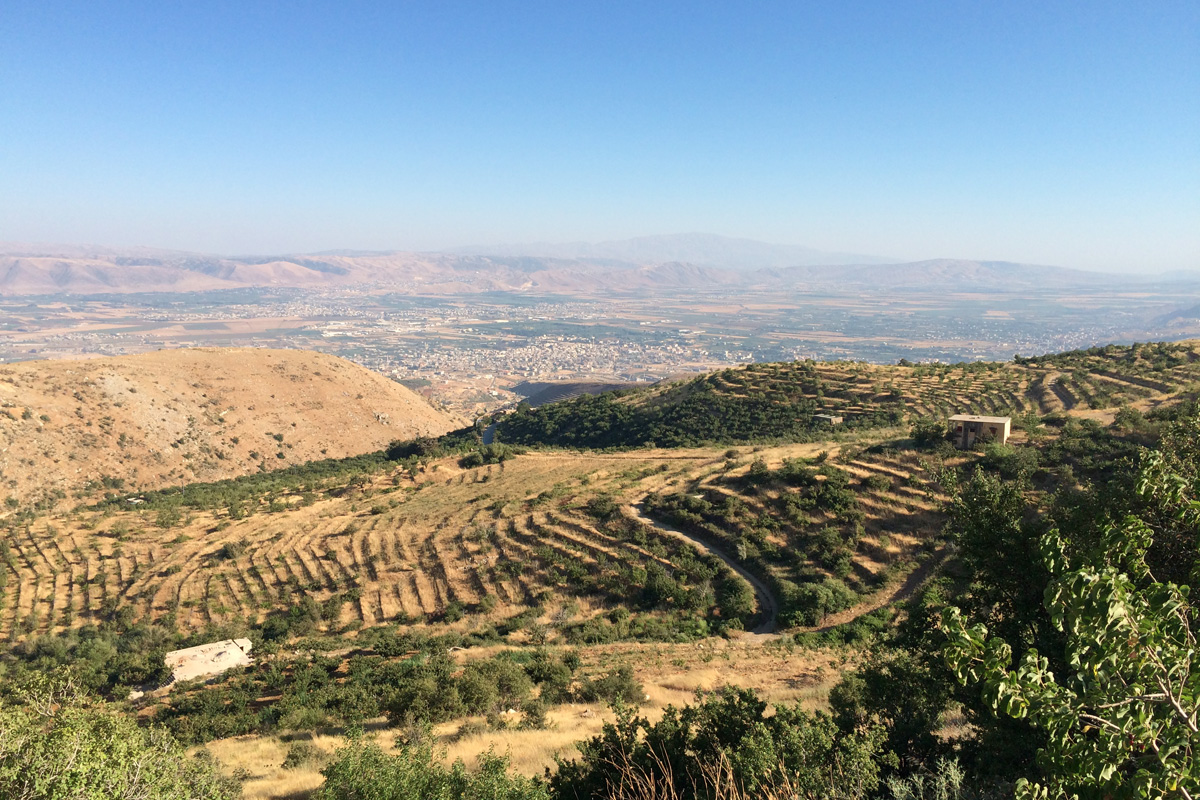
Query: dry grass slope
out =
(178, 416)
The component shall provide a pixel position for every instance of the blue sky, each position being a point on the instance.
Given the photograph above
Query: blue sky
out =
(1064, 133)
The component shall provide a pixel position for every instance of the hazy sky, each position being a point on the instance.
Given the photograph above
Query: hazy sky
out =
(1061, 132)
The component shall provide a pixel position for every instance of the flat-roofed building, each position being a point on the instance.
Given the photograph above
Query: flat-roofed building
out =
(827, 419)
(969, 428)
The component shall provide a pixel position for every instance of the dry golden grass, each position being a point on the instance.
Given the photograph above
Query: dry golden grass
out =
(670, 673)
(177, 416)
(258, 761)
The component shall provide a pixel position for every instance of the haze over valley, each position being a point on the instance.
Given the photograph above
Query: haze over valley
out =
(600, 401)
(465, 329)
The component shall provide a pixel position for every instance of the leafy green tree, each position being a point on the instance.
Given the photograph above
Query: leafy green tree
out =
(900, 691)
(55, 747)
(1168, 500)
(928, 432)
(998, 545)
(1121, 719)
(426, 691)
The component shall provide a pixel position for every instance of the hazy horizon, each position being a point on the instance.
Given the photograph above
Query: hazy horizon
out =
(541, 250)
(1066, 136)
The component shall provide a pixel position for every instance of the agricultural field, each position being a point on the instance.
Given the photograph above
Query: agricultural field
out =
(434, 542)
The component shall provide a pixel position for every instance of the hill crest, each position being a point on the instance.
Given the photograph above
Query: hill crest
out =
(177, 416)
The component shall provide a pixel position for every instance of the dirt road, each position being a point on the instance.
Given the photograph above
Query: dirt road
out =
(767, 604)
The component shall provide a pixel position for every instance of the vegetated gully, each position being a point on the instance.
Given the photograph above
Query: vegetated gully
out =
(767, 604)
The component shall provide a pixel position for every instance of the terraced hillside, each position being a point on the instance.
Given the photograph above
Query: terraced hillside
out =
(821, 536)
(763, 402)
(558, 538)
(540, 544)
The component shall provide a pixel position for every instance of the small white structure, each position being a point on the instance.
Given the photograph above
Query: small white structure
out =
(827, 419)
(967, 428)
(208, 659)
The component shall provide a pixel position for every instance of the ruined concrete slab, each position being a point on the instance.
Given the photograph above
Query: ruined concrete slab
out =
(208, 659)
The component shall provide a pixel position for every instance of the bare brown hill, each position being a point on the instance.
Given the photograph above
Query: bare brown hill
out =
(177, 416)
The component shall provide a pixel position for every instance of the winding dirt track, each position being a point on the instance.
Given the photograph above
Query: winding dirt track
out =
(767, 604)
(895, 593)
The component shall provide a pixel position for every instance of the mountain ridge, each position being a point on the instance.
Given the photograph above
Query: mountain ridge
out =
(701, 249)
(69, 269)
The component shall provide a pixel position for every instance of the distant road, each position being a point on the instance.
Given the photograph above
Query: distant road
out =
(767, 604)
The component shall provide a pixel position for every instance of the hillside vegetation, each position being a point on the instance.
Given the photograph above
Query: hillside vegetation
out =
(873, 580)
(177, 416)
(368, 541)
(765, 402)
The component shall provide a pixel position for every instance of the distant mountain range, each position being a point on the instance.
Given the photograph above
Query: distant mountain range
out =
(655, 263)
(700, 249)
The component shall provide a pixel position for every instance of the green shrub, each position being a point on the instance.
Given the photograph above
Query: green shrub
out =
(78, 752)
(877, 483)
(303, 754)
(1011, 462)
(617, 686)
(362, 770)
(732, 728)
(232, 550)
(928, 432)
(602, 507)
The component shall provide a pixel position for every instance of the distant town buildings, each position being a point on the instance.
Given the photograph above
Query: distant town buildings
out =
(471, 348)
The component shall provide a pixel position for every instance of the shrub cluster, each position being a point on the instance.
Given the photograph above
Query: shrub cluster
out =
(416, 683)
(700, 411)
(809, 576)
